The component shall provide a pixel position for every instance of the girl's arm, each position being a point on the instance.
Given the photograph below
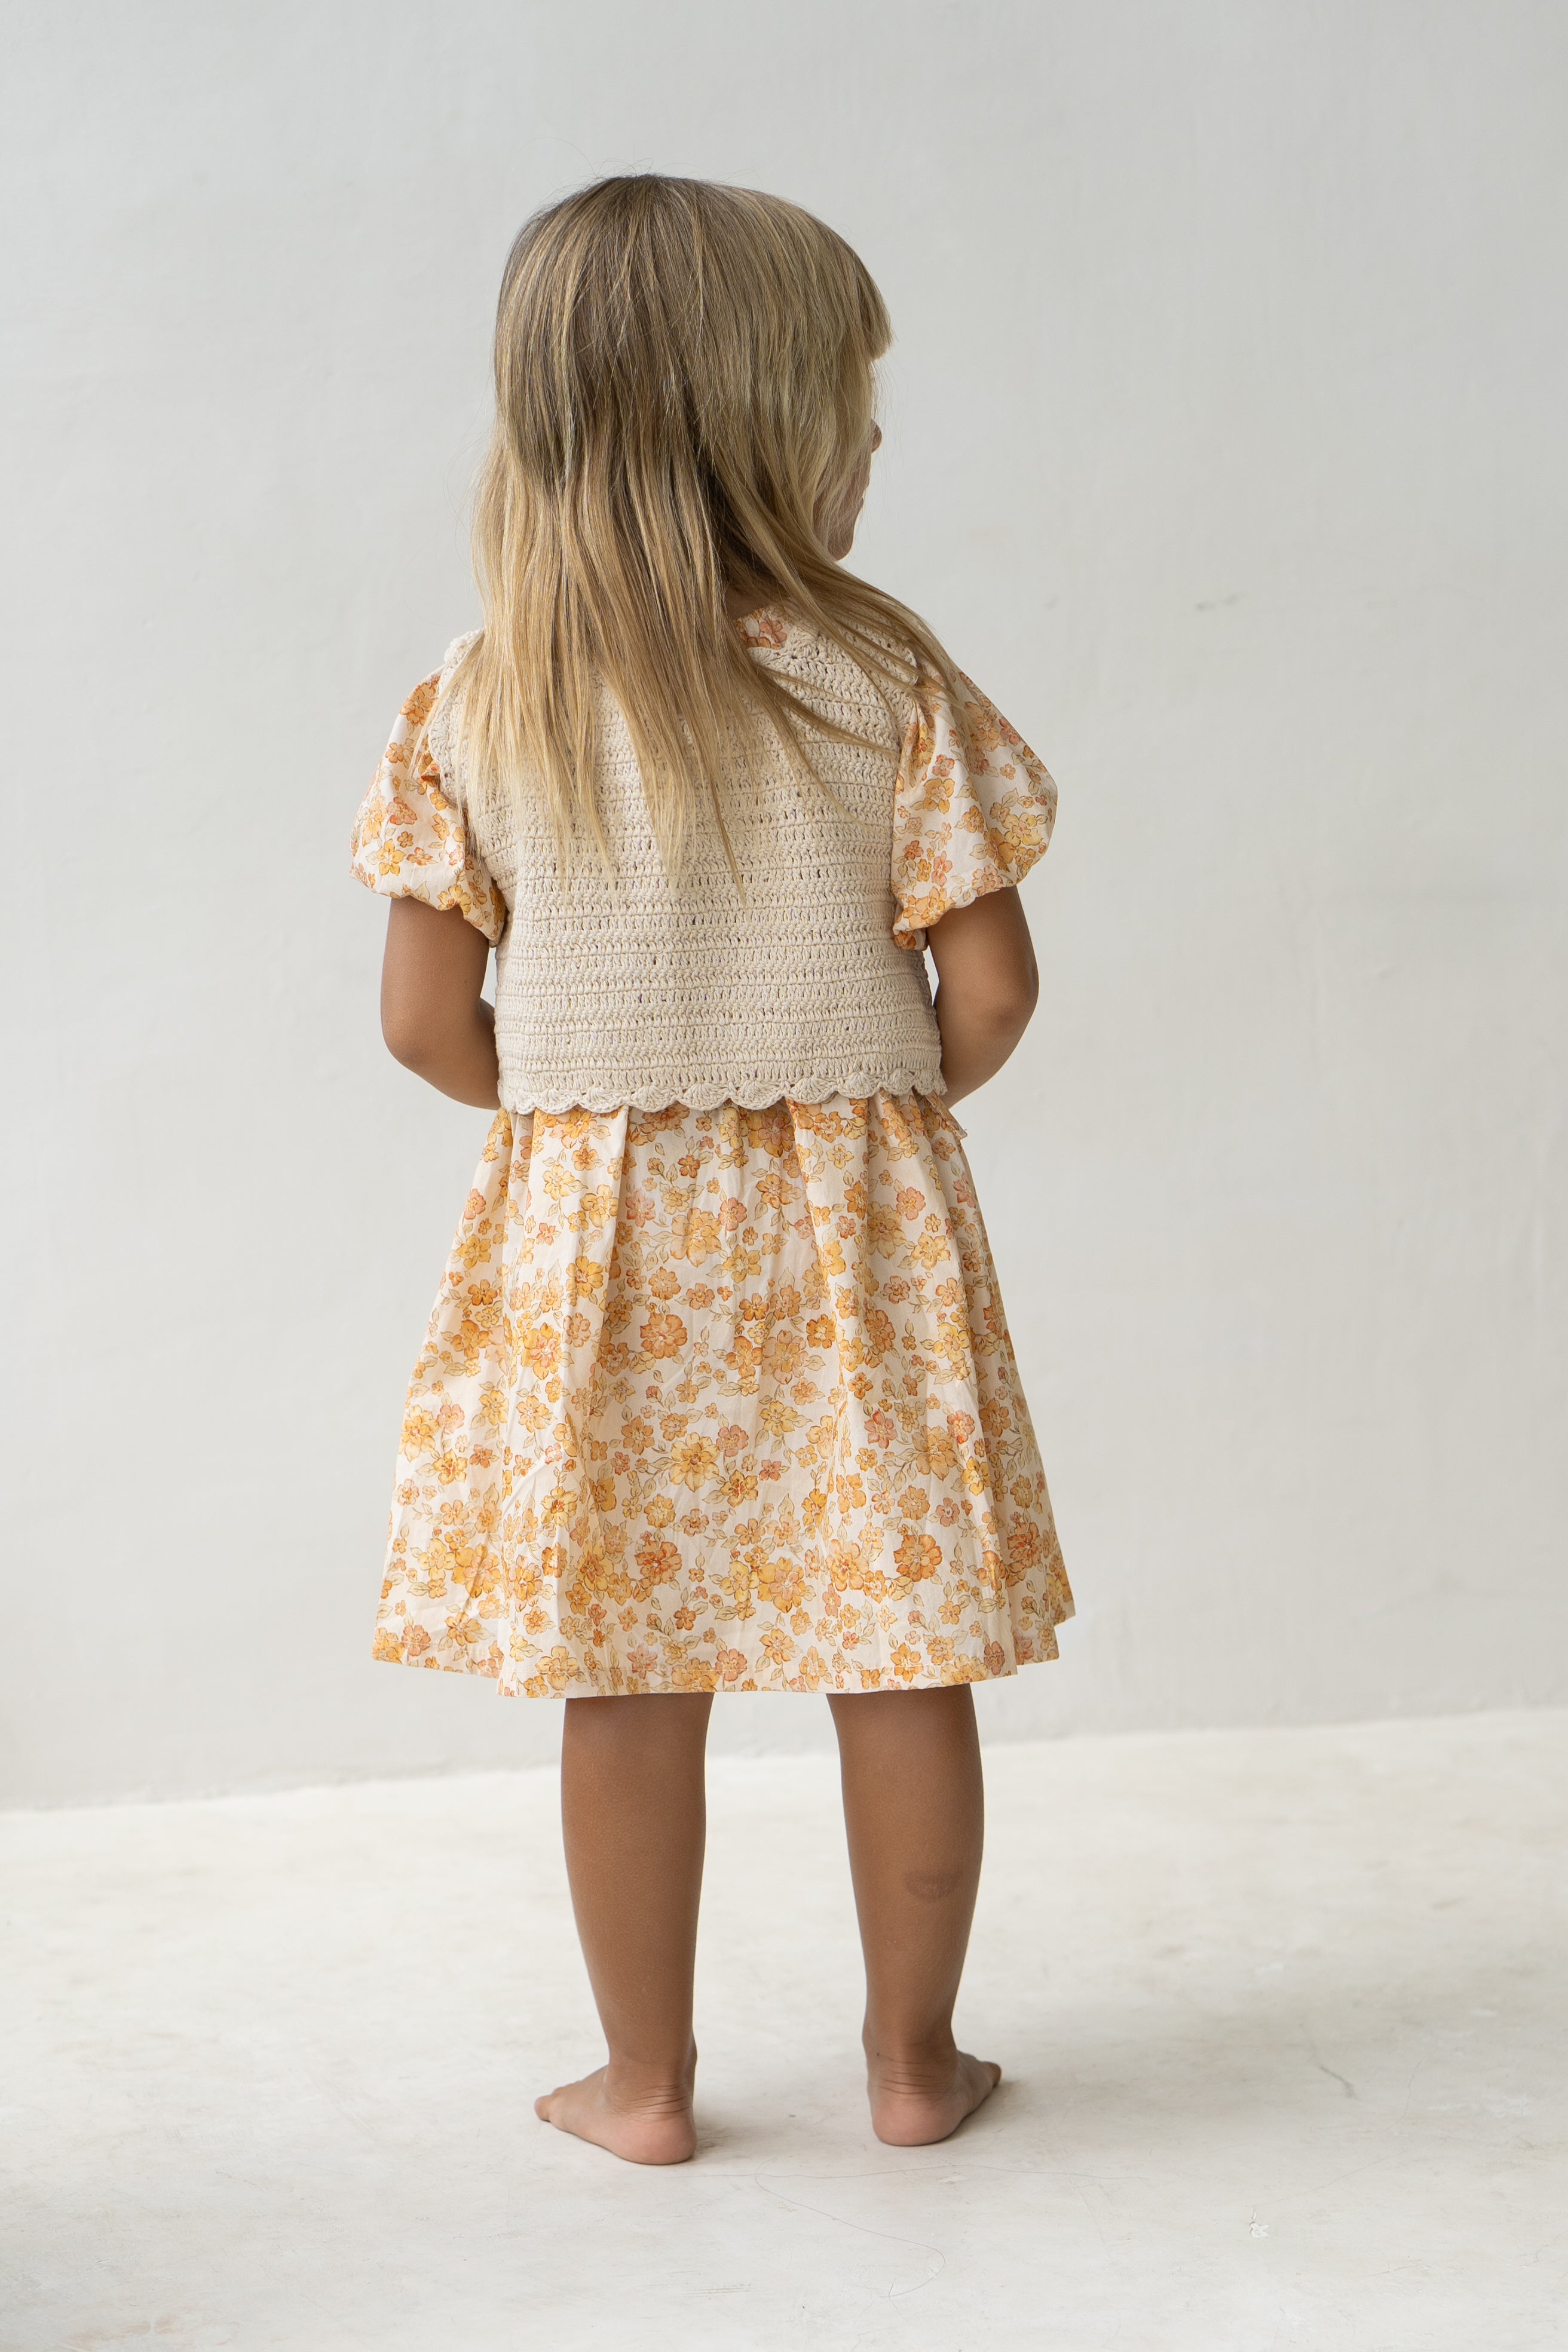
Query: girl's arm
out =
(433, 1017)
(987, 987)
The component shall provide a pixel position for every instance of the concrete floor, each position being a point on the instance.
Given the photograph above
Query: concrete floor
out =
(1282, 2014)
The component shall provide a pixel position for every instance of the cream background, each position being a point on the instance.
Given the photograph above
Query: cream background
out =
(1224, 447)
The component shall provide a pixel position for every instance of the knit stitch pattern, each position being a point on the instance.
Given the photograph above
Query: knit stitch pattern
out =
(632, 988)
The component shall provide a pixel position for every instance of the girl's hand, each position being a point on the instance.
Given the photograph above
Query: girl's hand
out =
(433, 1017)
(986, 988)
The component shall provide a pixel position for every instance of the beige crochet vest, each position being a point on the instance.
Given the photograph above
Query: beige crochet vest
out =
(694, 992)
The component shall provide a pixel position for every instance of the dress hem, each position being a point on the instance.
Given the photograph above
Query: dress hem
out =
(831, 1686)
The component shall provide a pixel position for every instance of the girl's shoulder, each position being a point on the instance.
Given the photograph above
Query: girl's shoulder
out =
(865, 691)
(456, 649)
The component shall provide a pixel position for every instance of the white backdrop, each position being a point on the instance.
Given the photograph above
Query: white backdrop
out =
(1224, 446)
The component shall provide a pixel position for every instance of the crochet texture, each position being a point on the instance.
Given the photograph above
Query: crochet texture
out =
(629, 987)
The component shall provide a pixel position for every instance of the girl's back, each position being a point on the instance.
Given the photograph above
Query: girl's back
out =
(765, 966)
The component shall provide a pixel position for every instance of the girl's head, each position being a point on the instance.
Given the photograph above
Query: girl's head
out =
(688, 367)
(684, 415)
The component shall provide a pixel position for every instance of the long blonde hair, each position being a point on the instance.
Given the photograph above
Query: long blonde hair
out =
(684, 393)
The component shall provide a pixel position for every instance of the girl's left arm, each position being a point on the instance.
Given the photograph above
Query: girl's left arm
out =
(987, 987)
(433, 1016)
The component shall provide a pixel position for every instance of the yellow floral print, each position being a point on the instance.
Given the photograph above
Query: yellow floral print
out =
(409, 840)
(975, 809)
(725, 1400)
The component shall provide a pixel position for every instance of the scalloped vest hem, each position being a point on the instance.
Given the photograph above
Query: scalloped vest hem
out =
(703, 1094)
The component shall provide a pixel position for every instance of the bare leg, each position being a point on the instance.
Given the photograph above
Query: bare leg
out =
(914, 1810)
(634, 1813)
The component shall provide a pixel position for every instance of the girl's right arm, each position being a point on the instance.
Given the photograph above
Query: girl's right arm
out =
(433, 1017)
(987, 987)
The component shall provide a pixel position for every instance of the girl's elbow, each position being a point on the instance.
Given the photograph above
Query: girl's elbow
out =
(1008, 1010)
(407, 1041)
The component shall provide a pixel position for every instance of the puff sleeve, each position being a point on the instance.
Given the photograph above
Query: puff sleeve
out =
(411, 840)
(974, 808)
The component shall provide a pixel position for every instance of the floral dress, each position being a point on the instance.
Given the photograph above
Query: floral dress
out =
(725, 1400)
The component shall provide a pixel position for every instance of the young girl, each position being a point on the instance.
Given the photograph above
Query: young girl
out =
(718, 1394)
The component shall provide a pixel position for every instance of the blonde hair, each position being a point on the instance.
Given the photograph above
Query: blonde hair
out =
(684, 394)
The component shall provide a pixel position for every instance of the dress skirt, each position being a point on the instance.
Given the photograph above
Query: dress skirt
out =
(722, 1400)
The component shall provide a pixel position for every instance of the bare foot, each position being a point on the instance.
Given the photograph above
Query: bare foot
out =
(645, 2127)
(911, 2106)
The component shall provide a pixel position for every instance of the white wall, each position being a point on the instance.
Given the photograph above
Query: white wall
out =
(1224, 446)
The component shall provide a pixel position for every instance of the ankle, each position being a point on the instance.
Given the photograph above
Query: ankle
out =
(911, 2061)
(650, 2085)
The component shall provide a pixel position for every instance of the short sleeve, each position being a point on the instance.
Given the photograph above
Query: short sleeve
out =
(411, 840)
(974, 808)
